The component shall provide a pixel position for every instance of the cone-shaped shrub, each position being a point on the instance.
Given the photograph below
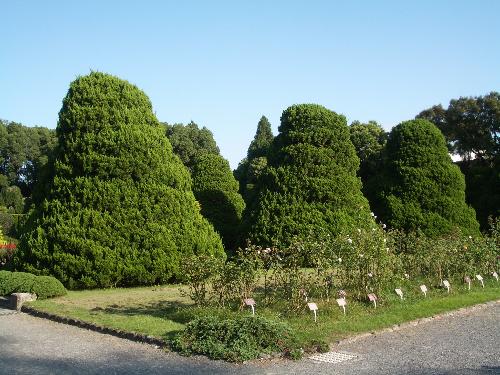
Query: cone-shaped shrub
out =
(420, 187)
(310, 182)
(216, 189)
(119, 209)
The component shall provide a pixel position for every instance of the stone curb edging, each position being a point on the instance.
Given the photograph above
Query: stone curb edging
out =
(414, 323)
(132, 336)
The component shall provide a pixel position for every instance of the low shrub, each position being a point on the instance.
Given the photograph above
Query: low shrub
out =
(4, 275)
(18, 282)
(47, 286)
(23, 282)
(235, 339)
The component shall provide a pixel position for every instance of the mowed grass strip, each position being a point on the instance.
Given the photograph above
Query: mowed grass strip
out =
(148, 310)
(162, 311)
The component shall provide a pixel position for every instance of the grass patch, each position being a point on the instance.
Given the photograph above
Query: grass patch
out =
(163, 311)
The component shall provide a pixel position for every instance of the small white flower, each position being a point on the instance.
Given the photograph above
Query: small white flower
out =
(349, 240)
(370, 274)
(407, 276)
(371, 213)
(340, 260)
(359, 230)
(267, 250)
(387, 249)
(361, 255)
(384, 226)
(373, 229)
(470, 237)
(374, 216)
(385, 240)
(258, 251)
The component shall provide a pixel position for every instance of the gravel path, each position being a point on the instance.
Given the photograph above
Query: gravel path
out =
(467, 343)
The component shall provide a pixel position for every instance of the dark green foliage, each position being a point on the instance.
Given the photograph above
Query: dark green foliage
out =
(189, 142)
(4, 275)
(216, 189)
(235, 340)
(420, 188)
(250, 169)
(262, 140)
(16, 282)
(119, 209)
(24, 152)
(369, 141)
(471, 126)
(47, 287)
(310, 182)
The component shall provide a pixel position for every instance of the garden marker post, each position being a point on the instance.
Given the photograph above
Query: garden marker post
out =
(373, 298)
(399, 292)
(250, 302)
(342, 303)
(480, 278)
(446, 284)
(468, 281)
(313, 307)
(495, 275)
(423, 288)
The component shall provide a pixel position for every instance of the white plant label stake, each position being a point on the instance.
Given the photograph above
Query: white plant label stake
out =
(423, 288)
(467, 280)
(373, 298)
(480, 278)
(495, 275)
(342, 303)
(313, 307)
(399, 292)
(447, 285)
(250, 302)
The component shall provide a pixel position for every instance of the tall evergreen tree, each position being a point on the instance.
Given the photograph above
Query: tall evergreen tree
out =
(190, 141)
(250, 169)
(216, 189)
(119, 209)
(310, 182)
(420, 187)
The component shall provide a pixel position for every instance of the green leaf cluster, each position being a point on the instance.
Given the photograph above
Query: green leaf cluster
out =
(310, 182)
(420, 188)
(118, 207)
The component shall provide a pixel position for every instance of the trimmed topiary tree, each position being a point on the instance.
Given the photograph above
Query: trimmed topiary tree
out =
(250, 169)
(216, 189)
(420, 188)
(310, 183)
(119, 209)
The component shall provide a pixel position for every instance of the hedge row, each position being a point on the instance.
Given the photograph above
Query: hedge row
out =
(22, 282)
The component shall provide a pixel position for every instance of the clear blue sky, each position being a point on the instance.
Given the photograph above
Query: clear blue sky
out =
(223, 64)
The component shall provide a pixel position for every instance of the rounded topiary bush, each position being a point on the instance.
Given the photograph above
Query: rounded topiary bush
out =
(419, 187)
(47, 286)
(4, 275)
(310, 183)
(118, 209)
(18, 282)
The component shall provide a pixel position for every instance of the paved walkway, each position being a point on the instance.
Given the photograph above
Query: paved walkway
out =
(464, 344)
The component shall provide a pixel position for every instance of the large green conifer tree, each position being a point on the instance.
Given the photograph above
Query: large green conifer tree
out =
(310, 183)
(119, 209)
(216, 189)
(420, 187)
(250, 169)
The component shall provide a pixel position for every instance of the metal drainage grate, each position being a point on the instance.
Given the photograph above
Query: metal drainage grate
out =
(333, 357)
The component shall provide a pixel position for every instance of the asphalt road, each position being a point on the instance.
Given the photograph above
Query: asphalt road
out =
(468, 343)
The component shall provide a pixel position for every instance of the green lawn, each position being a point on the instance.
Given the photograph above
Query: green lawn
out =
(162, 311)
